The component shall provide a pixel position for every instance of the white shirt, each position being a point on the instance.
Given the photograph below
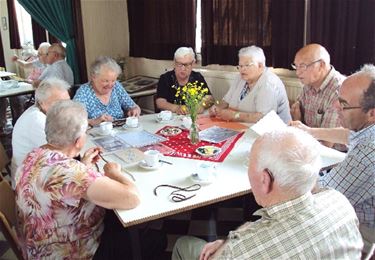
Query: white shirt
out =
(28, 133)
(59, 69)
(267, 94)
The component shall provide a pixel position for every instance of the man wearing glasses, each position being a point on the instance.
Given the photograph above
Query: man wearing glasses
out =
(58, 67)
(182, 74)
(314, 106)
(355, 176)
(295, 223)
(256, 91)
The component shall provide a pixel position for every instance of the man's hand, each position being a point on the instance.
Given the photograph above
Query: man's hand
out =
(225, 114)
(210, 249)
(300, 125)
(295, 111)
(134, 111)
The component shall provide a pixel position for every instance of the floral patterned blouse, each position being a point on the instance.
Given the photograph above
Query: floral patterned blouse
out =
(55, 221)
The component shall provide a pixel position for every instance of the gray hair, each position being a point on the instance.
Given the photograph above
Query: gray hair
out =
(66, 122)
(46, 87)
(253, 52)
(183, 51)
(44, 47)
(368, 98)
(104, 61)
(57, 47)
(293, 157)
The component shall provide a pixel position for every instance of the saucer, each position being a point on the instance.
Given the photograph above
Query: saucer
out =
(160, 120)
(143, 165)
(197, 179)
(125, 126)
(105, 134)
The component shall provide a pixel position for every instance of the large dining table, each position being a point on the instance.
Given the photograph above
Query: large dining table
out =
(230, 176)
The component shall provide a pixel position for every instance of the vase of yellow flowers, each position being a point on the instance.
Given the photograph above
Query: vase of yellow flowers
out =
(192, 94)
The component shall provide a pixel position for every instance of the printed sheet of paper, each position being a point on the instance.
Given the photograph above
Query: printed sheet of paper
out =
(268, 123)
(110, 144)
(217, 134)
(140, 138)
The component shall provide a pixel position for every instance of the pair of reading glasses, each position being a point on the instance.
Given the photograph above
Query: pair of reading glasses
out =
(178, 194)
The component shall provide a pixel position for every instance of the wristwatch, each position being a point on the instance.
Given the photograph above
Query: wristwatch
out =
(237, 115)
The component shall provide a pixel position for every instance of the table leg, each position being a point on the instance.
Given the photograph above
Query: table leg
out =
(135, 242)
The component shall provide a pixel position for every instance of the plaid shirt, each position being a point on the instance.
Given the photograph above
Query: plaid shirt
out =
(319, 226)
(317, 105)
(355, 176)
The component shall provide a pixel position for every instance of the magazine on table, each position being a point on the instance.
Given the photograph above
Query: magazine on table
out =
(216, 134)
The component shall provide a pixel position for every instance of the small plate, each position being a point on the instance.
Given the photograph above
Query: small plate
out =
(208, 150)
(196, 179)
(143, 165)
(125, 126)
(159, 120)
(171, 131)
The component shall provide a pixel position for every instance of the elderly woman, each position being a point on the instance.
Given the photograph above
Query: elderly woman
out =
(104, 97)
(184, 59)
(256, 92)
(61, 200)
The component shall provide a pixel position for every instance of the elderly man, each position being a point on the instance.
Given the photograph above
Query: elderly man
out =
(58, 67)
(355, 176)
(256, 92)
(321, 81)
(184, 59)
(28, 132)
(294, 222)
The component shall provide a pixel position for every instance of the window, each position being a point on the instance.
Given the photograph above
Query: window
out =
(24, 25)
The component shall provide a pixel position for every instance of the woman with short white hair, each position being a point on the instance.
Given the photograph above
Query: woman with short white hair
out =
(182, 74)
(256, 91)
(103, 96)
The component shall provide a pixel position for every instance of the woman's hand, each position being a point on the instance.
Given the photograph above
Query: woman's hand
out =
(212, 111)
(91, 156)
(210, 249)
(225, 114)
(102, 118)
(134, 111)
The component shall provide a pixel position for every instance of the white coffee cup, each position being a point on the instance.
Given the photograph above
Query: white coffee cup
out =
(186, 122)
(205, 171)
(165, 115)
(152, 157)
(105, 127)
(132, 121)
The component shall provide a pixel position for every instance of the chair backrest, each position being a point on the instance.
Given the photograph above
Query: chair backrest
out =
(4, 159)
(8, 216)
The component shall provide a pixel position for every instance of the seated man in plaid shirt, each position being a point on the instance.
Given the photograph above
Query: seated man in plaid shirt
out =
(294, 221)
(314, 106)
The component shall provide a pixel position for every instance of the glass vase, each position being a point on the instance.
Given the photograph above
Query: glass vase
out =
(194, 133)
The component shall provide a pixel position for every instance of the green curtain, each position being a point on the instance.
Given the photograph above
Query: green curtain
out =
(57, 17)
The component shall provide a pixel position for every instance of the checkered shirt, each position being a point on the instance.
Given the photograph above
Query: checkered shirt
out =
(317, 105)
(319, 226)
(355, 176)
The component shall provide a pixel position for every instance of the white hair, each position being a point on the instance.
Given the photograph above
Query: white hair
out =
(293, 157)
(253, 52)
(104, 61)
(183, 51)
(324, 55)
(44, 47)
(66, 122)
(46, 87)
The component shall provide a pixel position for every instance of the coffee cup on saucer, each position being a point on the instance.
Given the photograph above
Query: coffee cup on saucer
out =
(132, 121)
(186, 122)
(152, 158)
(165, 115)
(105, 128)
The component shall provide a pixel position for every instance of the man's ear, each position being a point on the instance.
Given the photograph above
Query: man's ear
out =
(371, 115)
(267, 182)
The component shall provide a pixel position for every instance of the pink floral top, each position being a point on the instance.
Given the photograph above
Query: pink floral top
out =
(55, 221)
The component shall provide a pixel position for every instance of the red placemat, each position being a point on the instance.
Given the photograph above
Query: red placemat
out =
(183, 148)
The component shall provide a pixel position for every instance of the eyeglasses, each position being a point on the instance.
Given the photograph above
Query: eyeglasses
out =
(303, 66)
(183, 65)
(345, 106)
(49, 52)
(245, 66)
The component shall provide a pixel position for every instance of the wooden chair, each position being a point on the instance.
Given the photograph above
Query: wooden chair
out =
(8, 216)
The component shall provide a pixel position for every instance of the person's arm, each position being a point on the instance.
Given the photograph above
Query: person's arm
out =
(114, 191)
(163, 104)
(337, 135)
(232, 115)
(100, 119)
(210, 249)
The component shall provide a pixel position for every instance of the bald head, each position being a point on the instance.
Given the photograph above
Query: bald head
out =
(314, 52)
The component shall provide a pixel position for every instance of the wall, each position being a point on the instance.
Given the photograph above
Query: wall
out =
(8, 53)
(106, 30)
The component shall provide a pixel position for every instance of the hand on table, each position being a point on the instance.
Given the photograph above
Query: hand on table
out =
(210, 249)
(134, 111)
(181, 110)
(300, 125)
(225, 114)
(102, 118)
